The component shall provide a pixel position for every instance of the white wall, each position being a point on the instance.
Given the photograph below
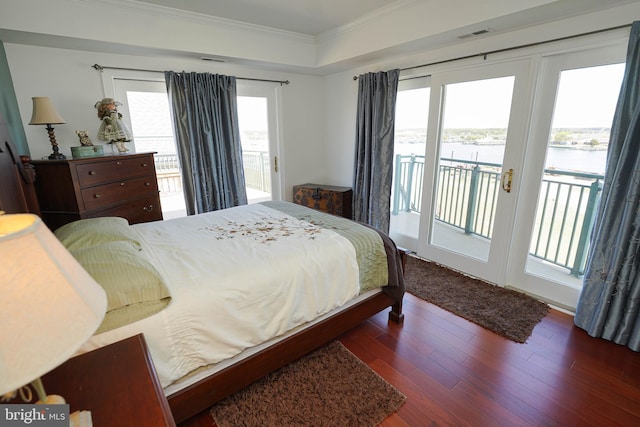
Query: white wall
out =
(74, 87)
(340, 111)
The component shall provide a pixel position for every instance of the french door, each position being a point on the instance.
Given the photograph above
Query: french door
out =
(566, 159)
(514, 159)
(473, 162)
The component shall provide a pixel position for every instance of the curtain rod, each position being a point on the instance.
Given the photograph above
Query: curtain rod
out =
(506, 49)
(100, 68)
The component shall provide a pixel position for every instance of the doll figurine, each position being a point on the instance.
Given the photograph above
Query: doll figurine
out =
(112, 129)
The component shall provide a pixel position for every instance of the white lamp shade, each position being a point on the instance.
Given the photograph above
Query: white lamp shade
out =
(49, 305)
(44, 112)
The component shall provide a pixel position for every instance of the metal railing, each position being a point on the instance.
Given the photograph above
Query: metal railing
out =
(467, 195)
(256, 170)
(168, 173)
(166, 163)
(407, 189)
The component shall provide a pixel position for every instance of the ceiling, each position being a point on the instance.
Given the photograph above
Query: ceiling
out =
(310, 36)
(311, 17)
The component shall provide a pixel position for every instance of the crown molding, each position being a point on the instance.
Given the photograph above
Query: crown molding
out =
(169, 12)
(364, 20)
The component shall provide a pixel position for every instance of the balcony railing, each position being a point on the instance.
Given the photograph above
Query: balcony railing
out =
(467, 196)
(256, 171)
(168, 172)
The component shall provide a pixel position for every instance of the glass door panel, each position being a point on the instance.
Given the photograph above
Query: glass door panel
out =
(412, 113)
(573, 172)
(473, 161)
(258, 122)
(254, 138)
(475, 119)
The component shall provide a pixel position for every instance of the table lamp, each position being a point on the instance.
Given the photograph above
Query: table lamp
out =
(45, 114)
(49, 305)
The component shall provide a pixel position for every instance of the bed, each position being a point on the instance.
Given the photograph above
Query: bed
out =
(207, 346)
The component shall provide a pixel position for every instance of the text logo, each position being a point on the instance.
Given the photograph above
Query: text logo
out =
(34, 415)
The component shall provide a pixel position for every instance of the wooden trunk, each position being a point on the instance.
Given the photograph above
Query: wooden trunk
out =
(325, 198)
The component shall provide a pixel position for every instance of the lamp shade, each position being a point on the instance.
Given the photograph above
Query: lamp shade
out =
(49, 305)
(44, 112)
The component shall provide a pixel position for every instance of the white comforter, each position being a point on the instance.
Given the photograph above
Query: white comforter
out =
(237, 278)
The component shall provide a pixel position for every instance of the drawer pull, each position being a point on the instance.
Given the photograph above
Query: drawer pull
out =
(148, 208)
(118, 163)
(144, 165)
(92, 172)
(122, 184)
(97, 196)
(147, 184)
(316, 194)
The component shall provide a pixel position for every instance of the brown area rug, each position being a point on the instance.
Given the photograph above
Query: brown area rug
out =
(506, 312)
(330, 387)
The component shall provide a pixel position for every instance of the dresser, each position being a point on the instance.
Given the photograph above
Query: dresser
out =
(325, 198)
(122, 185)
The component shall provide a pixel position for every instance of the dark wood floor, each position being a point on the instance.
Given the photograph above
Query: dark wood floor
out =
(455, 373)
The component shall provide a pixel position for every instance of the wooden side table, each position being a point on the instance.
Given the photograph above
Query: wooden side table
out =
(117, 383)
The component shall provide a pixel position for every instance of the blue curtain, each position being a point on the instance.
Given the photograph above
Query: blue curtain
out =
(609, 305)
(205, 122)
(373, 169)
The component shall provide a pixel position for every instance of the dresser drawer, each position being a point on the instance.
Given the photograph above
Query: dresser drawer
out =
(140, 210)
(115, 192)
(118, 169)
(328, 199)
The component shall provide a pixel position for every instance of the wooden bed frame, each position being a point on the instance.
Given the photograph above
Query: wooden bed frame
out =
(17, 195)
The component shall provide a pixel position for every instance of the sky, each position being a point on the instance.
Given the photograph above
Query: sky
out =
(252, 113)
(586, 98)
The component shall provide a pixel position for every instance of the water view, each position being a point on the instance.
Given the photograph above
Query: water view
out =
(583, 150)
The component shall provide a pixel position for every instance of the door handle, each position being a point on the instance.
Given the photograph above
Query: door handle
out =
(508, 177)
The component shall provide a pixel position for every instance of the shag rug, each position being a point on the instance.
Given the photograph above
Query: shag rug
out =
(330, 387)
(506, 312)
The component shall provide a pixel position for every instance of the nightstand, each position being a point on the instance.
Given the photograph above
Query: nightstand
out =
(117, 383)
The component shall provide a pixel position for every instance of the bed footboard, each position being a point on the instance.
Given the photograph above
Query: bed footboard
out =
(202, 395)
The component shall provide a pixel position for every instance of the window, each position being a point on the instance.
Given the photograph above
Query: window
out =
(412, 113)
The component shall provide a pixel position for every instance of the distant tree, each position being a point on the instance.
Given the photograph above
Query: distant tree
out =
(561, 137)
